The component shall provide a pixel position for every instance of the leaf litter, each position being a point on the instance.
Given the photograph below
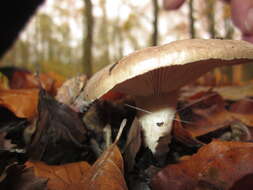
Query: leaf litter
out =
(210, 147)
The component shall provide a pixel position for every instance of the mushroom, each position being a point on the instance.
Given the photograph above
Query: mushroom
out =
(154, 75)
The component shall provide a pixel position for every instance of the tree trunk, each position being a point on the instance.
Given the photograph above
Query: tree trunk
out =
(104, 32)
(88, 38)
(211, 20)
(191, 19)
(229, 33)
(155, 34)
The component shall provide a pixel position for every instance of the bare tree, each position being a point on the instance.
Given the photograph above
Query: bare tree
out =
(211, 18)
(88, 38)
(191, 19)
(155, 34)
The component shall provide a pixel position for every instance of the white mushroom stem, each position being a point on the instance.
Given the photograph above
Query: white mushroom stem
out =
(157, 120)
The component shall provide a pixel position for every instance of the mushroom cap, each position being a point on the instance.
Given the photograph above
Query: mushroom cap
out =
(162, 69)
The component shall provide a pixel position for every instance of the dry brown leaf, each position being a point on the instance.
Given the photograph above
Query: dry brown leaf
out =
(243, 111)
(70, 92)
(63, 177)
(107, 173)
(22, 102)
(218, 165)
(183, 135)
(22, 79)
(206, 113)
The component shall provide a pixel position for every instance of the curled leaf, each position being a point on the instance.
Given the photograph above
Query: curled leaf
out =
(107, 173)
(204, 113)
(70, 92)
(218, 165)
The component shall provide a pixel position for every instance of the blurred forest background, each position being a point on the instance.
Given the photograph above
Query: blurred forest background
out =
(82, 36)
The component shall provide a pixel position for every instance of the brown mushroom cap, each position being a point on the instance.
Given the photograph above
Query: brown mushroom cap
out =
(165, 68)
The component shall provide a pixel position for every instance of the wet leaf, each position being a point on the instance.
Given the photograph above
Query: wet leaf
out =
(218, 165)
(21, 178)
(22, 102)
(8, 158)
(59, 135)
(63, 177)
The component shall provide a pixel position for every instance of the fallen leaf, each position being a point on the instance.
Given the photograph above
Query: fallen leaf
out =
(60, 134)
(58, 79)
(205, 112)
(71, 94)
(183, 135)
(235, 92)
(218, 165)
(243, 111)
(132, 145)
(21, 178)
(62, 177)
(22, 102)
(228, 92)
(107, 173)
(20, 78)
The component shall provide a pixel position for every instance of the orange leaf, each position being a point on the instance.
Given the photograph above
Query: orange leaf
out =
(218, 165)
(58, 79)
(107, 173)
(22, 102)
(24, 79)
(64, 177)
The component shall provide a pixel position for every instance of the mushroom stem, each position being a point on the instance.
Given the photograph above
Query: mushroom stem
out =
(157, 121)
